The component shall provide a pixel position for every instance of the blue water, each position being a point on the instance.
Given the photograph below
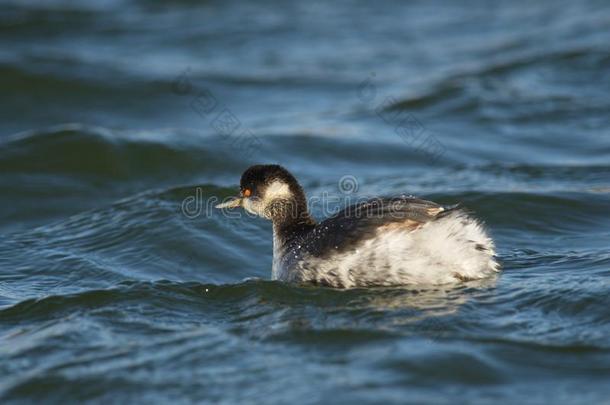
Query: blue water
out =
(115, 114)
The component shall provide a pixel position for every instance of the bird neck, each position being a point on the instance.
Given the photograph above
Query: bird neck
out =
(290, 219)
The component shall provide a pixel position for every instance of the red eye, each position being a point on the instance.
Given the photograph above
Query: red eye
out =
(247, 192)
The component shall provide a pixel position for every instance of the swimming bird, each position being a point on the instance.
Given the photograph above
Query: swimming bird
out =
(379, 242)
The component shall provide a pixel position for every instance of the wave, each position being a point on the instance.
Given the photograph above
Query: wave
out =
(85, 150)
(468, 89)
(119, 155)
(553, 209)
(356, 316)
(93, 151)
(191, 295)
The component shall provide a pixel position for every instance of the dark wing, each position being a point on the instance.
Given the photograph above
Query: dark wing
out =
(363, 220)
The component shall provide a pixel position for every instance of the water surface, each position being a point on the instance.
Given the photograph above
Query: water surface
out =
(115, 113)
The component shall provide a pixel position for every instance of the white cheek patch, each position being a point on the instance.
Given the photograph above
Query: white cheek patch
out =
(253, 207)
(276, 190)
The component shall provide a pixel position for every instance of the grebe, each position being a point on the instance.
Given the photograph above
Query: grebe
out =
(380, 242)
